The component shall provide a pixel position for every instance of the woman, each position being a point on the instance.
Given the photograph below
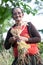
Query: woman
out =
(27, 33)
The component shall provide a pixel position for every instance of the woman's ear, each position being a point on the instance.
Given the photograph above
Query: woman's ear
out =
(13, 17)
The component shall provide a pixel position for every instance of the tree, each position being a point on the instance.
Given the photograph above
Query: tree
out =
(5, 8)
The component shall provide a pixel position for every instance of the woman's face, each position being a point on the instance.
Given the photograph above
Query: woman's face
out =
(17, 15)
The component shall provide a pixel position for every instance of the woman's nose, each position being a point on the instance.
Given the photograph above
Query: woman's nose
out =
(17, 14)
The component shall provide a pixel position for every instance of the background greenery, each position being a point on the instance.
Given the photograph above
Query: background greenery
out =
(6, 57)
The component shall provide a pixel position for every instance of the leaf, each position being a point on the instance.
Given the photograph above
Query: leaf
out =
(36, 2)
(5, 0)
(28, 11)
(41, 0)
(41, 30)
(29, 0)
(5, 12)
(18, 4)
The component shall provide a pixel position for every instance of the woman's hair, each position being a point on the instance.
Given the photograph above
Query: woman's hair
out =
(15, 8)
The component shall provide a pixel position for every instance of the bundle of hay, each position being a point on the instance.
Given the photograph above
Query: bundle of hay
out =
(22, 48)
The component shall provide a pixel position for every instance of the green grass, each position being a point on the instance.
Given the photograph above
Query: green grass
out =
(6, 58)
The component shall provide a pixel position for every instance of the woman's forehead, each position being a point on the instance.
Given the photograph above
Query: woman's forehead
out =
(17, 10)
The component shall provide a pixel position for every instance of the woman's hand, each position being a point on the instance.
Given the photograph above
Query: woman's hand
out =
(23, 38)
(12, 39)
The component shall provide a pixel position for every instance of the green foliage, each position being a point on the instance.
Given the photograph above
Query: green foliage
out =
(41, 30)
(41, 47)
(1, 42)
(5, 10)
(4, 0)
(29, 0)
(36, 2)
(6, 58)
(3, 28)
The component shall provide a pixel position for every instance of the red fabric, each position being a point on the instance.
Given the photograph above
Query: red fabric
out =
(24, 32)
(15, 52)
(33, 47)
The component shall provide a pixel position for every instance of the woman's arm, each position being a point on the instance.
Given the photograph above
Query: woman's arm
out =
(7, 45)
(10, 40)
(34, 34)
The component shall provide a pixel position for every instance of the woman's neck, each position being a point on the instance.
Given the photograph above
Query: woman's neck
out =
(19, 23)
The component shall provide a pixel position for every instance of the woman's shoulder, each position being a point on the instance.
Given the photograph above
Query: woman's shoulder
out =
(29, 23)
(11, 27)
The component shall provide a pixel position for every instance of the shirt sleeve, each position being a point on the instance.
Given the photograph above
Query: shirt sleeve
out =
(7, 45)
(34, 34)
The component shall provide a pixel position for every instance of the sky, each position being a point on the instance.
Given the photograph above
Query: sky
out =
(36, 20)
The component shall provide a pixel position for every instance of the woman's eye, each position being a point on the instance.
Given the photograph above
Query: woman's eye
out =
(14, 14)
(19, 12)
